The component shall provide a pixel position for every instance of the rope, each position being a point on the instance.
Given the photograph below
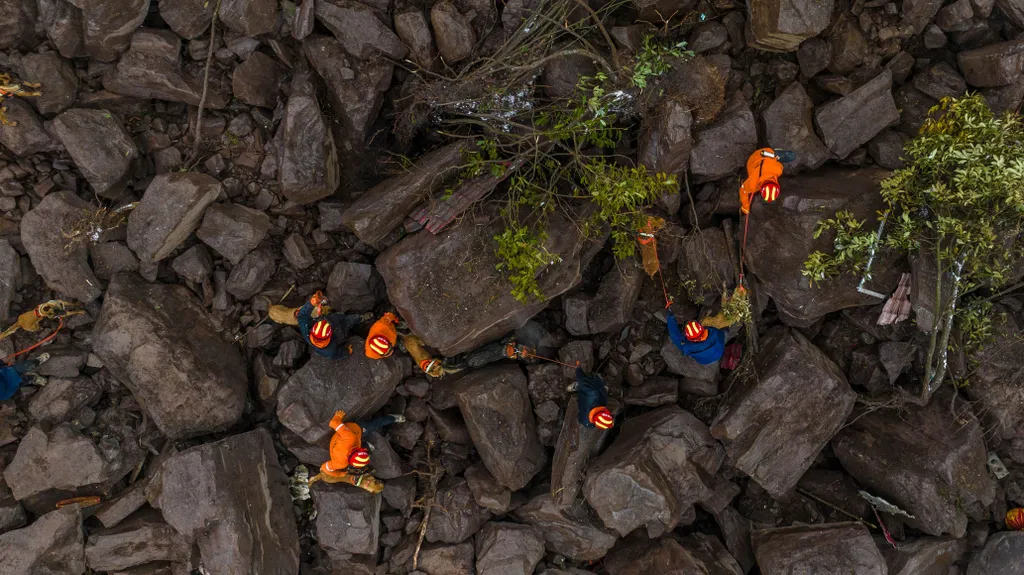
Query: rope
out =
(528, 354)
(653, 242)
(743, 246)
(60, 325)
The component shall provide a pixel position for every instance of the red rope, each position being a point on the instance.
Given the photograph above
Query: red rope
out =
(528, 354)
(664, 290)
(60, 325)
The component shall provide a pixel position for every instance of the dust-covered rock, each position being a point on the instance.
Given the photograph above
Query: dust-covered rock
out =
(54, 543)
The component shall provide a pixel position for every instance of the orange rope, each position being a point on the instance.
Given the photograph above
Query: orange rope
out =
(664, 290)
(60, 325)
(528, 354)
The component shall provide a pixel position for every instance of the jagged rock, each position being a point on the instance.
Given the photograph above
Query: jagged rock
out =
(723, 146)
(308, 400)
(455, 36)
(704, 263)
(307, 156)
(939, 81)
(112, 512)
(570, 532)
(921, 460)
(460, 518)
(814, 56)
(297, 252)
(996, 381)
(917, 14)
(886, 149)
(784, 237)
(231, 497)
(381, 209)
(169, 211)
(61, 398)
(19, 24)
(347, 519)
(660, 465)
(487, 492)
(708, 36)
(25, 134)
(195, 264)
(63, 24)
(698, 553)
(159, 341)
(924, 556)
(141, 539)
(53, 544)
(109, 25)
(354, 287)
(452, 429)
(65, 271)
(653, 393)
(826, 548)
(188, 18)
(249, 17)
(57, 75)
(1001, 555)
(10, 270)
(100, 147)
(665, 144)
(508, 549)
(233, 230)
(993, 65)
(252, 273)
(955, 17)
(447, 559)
(414, 29)
(152, 69)
(613, 305)
(767, 427)
(257, 80)
(1005, 98)
(849, 45)
(12, 514)
(562, 75)
(358, 29)
(111, 258)
(419, 269)
(64, 459)
(496, 406)
(934, 37)
(853, 120)
(789, 126)
(781, 25)
(64, 362)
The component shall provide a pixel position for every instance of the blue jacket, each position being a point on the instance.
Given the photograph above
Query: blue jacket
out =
(10, 381)
(703, 352)
(340, 326)
(591, 393)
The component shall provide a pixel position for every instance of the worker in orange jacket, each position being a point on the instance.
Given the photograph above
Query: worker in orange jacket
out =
(383, 337)
(764, 167)
(349, 459)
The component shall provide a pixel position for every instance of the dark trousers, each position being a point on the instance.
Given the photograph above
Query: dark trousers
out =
(485, 355)
(377, 423)
(26, 366)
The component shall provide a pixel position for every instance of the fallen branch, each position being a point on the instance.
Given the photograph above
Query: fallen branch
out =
(206, 81)
(429, 499)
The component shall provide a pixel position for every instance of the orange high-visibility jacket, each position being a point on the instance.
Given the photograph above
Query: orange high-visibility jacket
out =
(760, 169)
(348, 436)
(383, 327)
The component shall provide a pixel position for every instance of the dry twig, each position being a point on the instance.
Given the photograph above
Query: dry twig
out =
(206, 81)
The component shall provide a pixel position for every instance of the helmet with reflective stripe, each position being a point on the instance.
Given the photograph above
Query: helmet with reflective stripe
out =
(770, 191)
(320, 335)
(359, 458)
(602, 418)
(695, 331)
(379, 345)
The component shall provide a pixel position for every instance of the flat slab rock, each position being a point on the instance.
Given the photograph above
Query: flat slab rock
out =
(572, 532)
(508, 549)
(781, 25)
(65, 271)
(54, 543)
(697, 553)
(574, 449)
(828, 548)
(347, 519)
(1001, 555)
(774, 428)
(169, 211)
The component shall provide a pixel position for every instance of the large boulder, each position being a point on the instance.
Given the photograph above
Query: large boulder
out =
(612, 306)
(508, 549)
(24, 134)
(58, 75)
(574, 449)
(420, 270)
(188, 18)
(347, 519)
(257, 80)
(447, 559)
(249, 17)
(1001, 555)
(10, 269)
(413, 28)
(233, 230)
(851, 121)
(359, 30)
(922, 460)
(571, 532)
(354, 287)
(64, 268)
(100, 147)
(159, 341)
(997, 383)
(789, 126)
(697, 553)
(781, 237)
(62, 22)
(659, 466)
(54, 544)
(925, 556)
(457, 516)
(169, 211)
(110, 24)
(495, 403)
(993, 65)
(828, 548)
(775, 426)
(781, 25)
(19, 24)
(231, 497)
(722, 147)
(455, 35)
(665, 143)
(357, 385)
(704, 264)
(307, 156)
(380, 210)
(140, 539)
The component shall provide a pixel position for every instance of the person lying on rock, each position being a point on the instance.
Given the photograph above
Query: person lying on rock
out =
(494, 352)
(383, 337)
(12, 376)
(326, 333)
(705, 344)
(592, 400)
(349, 459)
(764, 167)
(430, 365)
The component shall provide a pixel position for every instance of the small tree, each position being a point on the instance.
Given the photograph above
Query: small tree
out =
(960, 200)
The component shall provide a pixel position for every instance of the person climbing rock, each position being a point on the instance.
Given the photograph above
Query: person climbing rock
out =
(764, 167)
(349, 459)
(592, 400)
(326, 333)
(383, 337)
(703, 343)
(430, 365)
(9, 88)
(54, 309)
(12, 376)
(493, 352)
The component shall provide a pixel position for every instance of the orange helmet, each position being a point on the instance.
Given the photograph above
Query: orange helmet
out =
(378, 346)
(770, 191)
(601, 418)
(320, 335)
(695, 331)
(1015, 519)
(359, 458)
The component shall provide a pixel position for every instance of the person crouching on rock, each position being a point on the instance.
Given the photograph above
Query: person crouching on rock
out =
(703, 343)
(592, 400)
(764, 167)
(349, 459)
(11, 376)
(327, 334)
(383, 337)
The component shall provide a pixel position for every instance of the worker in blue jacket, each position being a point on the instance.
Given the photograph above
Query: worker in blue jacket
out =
(592, 400)
(704, 344)
(12, 376)
(327, 334)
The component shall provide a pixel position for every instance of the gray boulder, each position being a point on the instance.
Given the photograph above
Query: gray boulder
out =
(249, 17)
(142, 538)
(64, 270)
(447, 559)
(160, 342)
(233, 230)
(62, 22)
(704, 264)
(257, 80)
(574, 449)
(10, 269)
(781, 25)
(1001, 555)
(612, 307)
(826, 548)
(57, 75)
(917, 14)
(457, 516)
(774, 427)
(414, 30)
(19, 24)
(925, 556)
(697, 553)
(359, 30)
(722, 147)
(169, 211)
(194, 264)
(993, 65)
(252, 273)
(571, 532)
(53, 544)
(455, 36)
(25, 134)
(100, 147)
(487, 492)
(789, 126)
(851, 121)
(188, 18)
(307, 156)
(347, 519)
(61, 398)
(231, 497)
(508, 549)
(354, 287)
(109, 25)
(110, 258)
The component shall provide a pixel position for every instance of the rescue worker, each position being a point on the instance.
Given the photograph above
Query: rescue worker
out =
(703, 343)
(349, 459)
(11, 376)
(493, 352)
(764, 167)
(327, 334)
(430, 365)
(30, 320)
(383, 337)
(10, 88)
(592, 400)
